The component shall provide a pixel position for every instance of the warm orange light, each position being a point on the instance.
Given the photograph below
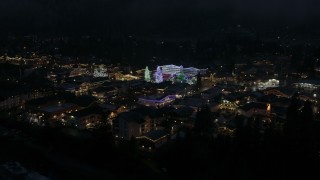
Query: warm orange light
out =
(268, 107)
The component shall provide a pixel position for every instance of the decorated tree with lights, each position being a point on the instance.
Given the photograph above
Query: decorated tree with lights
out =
(147, 74)
(181, 77)
(158, 75)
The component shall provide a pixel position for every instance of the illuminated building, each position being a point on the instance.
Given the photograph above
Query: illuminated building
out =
(253, 109)
(57, 111)
(85, 118)
(51, 113)
(271, 83)
(118, 76)
(307, 84)
(8, 102)
(79, 72)
(180, 74)
(126, 77)
(191, 71)
(153, 139)
(170, 69)
(174, 70)
(227, 105)
(102, 93)
(129, 77)
(158, 102)
(134, 123)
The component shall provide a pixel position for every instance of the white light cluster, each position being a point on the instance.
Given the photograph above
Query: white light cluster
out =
(100, 71)
(268, 84)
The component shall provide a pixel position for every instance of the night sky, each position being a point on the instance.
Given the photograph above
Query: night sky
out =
(150, 17)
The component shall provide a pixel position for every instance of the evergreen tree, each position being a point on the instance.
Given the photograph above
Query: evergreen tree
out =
(133, 147)
(181, 77)
(199, 83)
(307, 114)
(147, 74)
(292, 122)
(204, 124)
(307, 128)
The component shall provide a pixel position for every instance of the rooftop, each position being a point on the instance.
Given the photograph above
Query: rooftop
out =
(254, 105)
(155, 135)
(57, 107)
(88, 111)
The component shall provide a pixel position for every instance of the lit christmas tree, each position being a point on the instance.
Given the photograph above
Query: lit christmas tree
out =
(147, 75)
(158, 75)
(181, 77)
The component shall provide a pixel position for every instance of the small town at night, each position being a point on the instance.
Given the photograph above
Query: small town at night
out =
(136, 89)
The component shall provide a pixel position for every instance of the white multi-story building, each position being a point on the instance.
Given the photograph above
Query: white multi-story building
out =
(170, 69)
(271, 83)
(173, 69)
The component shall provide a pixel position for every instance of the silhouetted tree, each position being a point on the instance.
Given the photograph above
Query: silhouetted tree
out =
(133, 146)
(291, 126)
(199, 82)
(204, 124)
(307, 129)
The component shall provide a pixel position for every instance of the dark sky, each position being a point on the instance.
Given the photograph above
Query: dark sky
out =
(151, 16)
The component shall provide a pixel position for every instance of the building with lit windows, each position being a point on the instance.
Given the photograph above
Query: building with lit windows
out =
(125, 77)
(253, 109)
(136, 123)
(177, 74)
(153, 139)
(79, 72)
(306, 84)
(271, 83)
(170, 69)
(51, 113)
(85, 118)
(174, 70)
